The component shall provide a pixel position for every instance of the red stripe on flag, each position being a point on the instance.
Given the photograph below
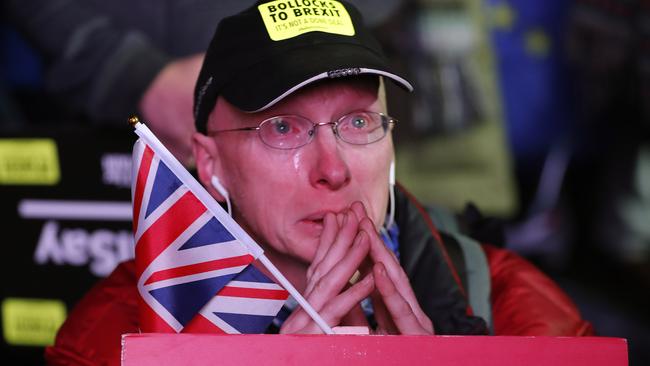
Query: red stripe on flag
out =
(150, 321)
(143, 173)
(255, 293)
(166, 229)
(191, 269)
(200, 324)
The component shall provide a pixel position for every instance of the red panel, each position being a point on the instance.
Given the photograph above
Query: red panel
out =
(314, 350)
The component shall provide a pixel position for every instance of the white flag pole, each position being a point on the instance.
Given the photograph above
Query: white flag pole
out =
(206, 198)
(296, 295)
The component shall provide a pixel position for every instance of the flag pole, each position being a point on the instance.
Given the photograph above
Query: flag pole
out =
(296, 295)
(206, 198)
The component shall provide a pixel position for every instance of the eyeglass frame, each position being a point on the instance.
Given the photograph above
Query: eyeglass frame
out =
(389, 121)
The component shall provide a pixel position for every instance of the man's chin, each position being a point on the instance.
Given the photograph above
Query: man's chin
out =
(303, 248)
(299, 248)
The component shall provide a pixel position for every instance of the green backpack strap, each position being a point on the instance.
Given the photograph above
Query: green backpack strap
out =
(475, 264)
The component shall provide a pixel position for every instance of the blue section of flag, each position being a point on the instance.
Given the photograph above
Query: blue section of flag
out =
(164, 185)
(185, 300)
(245, 323)
(211, 233)
(252, 274)
(178, 286)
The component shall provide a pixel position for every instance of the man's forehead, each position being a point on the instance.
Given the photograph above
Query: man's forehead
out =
(321, 90)
(332, 87)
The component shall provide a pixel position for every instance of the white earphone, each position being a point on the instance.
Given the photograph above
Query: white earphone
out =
(222, 191)
(391, 197)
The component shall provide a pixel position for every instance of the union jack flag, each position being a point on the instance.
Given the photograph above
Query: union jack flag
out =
(245, 305)
(187, 256)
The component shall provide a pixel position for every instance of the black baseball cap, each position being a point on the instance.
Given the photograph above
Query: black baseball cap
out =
(270, 50)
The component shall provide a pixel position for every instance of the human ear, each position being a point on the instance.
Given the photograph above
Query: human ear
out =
(208, 163)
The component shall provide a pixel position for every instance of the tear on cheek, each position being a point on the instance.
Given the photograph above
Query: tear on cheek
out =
(297, 161)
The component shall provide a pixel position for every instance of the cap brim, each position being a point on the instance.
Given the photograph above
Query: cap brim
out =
(272, 81)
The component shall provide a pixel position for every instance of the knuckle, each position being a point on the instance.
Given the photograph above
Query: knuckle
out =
(402, 310)
(322, 284)
(315, 273)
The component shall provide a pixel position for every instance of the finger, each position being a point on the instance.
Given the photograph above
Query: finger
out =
(297, 320)
(347, 304)
(384, 320)
(359, 210)
(355, 316)
(330, 228)
(380, 253)
(378, 248)
(317, 268)
(333, 281)
(327, 239)
(385, 323)
(345, 272)
(322, 288)
(338, 250)
(341, 305)
(339, 218)
(400, 310)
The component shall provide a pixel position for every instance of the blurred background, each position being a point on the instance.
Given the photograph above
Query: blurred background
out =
(537, 112)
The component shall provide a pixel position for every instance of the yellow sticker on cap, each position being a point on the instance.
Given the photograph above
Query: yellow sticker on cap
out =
(29, 162)
(31, 322)
(289, 18)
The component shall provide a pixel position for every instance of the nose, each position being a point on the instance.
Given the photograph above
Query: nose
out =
(330, 169)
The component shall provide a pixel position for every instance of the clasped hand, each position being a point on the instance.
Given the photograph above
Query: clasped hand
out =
(349, 242)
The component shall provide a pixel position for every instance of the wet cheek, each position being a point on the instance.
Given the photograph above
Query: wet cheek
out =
(298, 161)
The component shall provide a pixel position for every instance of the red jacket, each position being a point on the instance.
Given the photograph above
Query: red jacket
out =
(524, 301)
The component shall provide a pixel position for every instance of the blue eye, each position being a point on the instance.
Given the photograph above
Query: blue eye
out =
(281, 127)
(359, 122)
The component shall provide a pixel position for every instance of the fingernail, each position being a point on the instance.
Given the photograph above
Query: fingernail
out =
(367, 280)
(382, 269)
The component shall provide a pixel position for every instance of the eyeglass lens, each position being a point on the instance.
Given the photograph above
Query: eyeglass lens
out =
(289, 132)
